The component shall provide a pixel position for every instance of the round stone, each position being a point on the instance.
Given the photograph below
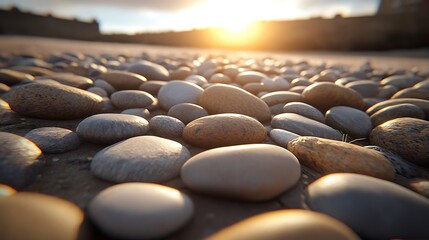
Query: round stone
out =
(287, 225)
(224, 130)
(401, 81)
(122, 80)
(97, 90)
(365, 204)
(350, 121)
(32, 216)
(166, 126)
(104, 85)
(54, 139)
(187, 112)
(176, 92)
(132, 99)
(328, 156)
(304, 126)
(19, 165)
(69, 79)
(305, 110)
(409, 137)
(281, 97)
(107, 128)
(152, 86)
(253, 172)
(140, 210)
(140, 159)
(423, 104)
(396, 111)
(140, 112)
(54, 101)
(249, 77)
(150, 70)
(221, 98)
(326, 95)
(12, 77)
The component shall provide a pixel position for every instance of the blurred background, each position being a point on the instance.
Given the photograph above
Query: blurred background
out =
(274, 25)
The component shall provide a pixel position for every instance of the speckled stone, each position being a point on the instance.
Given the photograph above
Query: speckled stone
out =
(350, 121)
(37, 216)
(282, 137)
(69, 79)
(166, 126)
(150, 70)
(187, 112)
(409, 137)
(19, 165)
(122, 80)
(224, 130)
(54, 101)
(140, 159)
(54, 139)
(132, 99)
(176, 92)
(108, 128)
(140, 210)
(287, 225)
(373, 208)
(253, 172)
(140, 112)
(328, 156)
(397, 111)
(305, 110)
(12, 77)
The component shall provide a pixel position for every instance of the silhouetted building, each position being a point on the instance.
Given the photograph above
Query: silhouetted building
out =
(403, 6)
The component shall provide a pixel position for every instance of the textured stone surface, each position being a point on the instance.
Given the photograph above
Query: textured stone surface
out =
(350, 121)
(224, 130)
(140, 159)
(122, 80)
(187, 112)
(373, 208)
(329, 156)
(54, 139)
(409, 137)
(176, 92)
(396, 111)
(166, 126)
(132, 99)
(305, 110)
(253, 172)
(150, 70)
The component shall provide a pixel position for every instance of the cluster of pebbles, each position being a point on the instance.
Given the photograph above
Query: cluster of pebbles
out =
(229, 127)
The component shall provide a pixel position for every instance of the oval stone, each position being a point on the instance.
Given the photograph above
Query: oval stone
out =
(122, 80)
(54, 139)
(350, 121)
(282, 97)
(282, 137)
(104, 85)
(187, 112)
(140, 112)
(423, 104)
(253, 172)
(166, 126)
(305, 110)
(69, 79)
(150, 70)
(176, 92)
(140, 210)
(152, 86)
(132, 99)
(401, 81)
(328, 156)
(420, 93)
(366, 88)
(224, 130)
(373, 208)
(249, 77)
(397, 111)
(140, 159)
(12, 77)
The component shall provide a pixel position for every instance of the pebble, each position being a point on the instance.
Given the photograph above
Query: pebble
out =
(401, 81)
(32, 70)
(249, 77)
(104, 85)
(282, 137)
(69, 79)
(152, 86)
(126, 99)
(301, 81)
(12, 77)
(326, 95)
(4, 88)
(187, 112)
(305, 110)
(175, 92)
(387, 91)
(197, 79)
(251, 172)
(54, 139)
(423, 104)
(408, 137)
(220, 78)
(221, 98)
(350, 121)
(108, 128)
(54, 101)
(6, 191)
(166, 126)
(420, 93)
(396, 111)
(4, 106)
(420, 186)
(328, 156)
(19, 165)
(140, 159)
(26, 215)
(122, 80)
(150, 70)
(366, 88)
(281, 97)
(304, 126)
(287, 225)
(373, 208)
(140, 210)
(224, 130)
(99, 91)
(140, 112)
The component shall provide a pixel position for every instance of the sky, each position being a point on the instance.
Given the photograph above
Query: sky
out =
(132, 16)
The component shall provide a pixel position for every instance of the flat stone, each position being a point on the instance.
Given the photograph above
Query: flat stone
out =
(19, 165)
(187, 112)
(69, 79)
(140, 159)
(108, 128)
(54, 139)
(12, 77)
(373, 208)
(166, 126)
(326, 95)
(328, 156)
(409, 137)
(32, 70)
(305, 110)
(401, 81)
(287, 225)
(152, 86)
(423, 104)
(220, 78)
(224, 130)
(122, 80)
(104, 85)
(132, 99)
(420, 93)
(150, 70)
(140, 210)
(304, 126)
(54, 101)
(396, 111)
(32, 216)
(387, 91)
(221, 98)
(282, 97)
(175, 92)
(140, 112)
(366, 88)
(350, 121)
(253, 172)
(99, 91)
(249, 77)
(282, 137)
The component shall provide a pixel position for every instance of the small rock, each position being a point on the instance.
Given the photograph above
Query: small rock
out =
(175, 92)
(350, 121)
(305, 110)
(152, 86)
(423, 104)
(99, 91)
(140, 112)
(387, 91)
(282, 97)
(69, 79)
(104, 85)
(420, 93)
(396, 111)
(220, 78)
(366, 88)
(249, 77)
(122, 80)
(187, 112)
(132, 99)
(420, 186)
(12, 77)
(166, 126)
(401, 81)
(150, 70)
(54, 139)
(282, 137)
